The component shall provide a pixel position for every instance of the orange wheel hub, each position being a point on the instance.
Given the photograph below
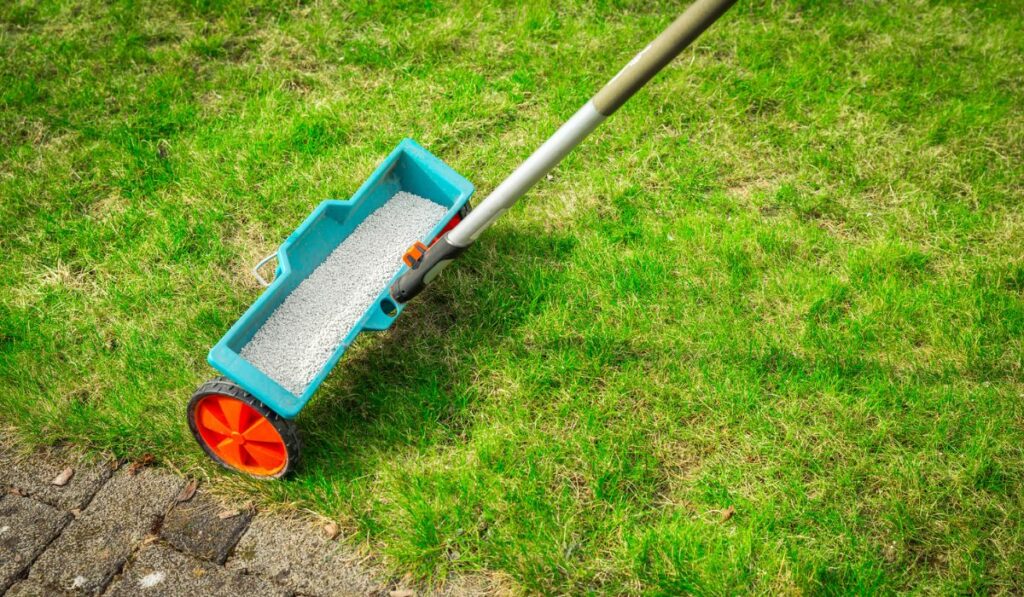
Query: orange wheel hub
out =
(240, 436)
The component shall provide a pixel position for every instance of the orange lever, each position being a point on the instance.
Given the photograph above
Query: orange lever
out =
(414, 254)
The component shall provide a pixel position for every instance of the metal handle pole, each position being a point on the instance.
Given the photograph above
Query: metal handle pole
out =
(698, 17)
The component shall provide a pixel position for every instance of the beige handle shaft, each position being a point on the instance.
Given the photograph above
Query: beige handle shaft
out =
(698, 17)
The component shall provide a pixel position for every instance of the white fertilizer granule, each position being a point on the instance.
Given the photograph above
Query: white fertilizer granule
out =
(152, 579)
(304, 331)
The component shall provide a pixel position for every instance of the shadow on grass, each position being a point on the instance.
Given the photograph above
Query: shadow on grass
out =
(414, 386)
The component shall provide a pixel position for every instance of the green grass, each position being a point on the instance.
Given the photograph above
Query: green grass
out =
(788, 277)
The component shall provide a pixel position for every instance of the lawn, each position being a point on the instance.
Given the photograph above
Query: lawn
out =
(786, 279)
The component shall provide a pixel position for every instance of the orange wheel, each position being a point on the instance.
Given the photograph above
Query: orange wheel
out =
(240, 433)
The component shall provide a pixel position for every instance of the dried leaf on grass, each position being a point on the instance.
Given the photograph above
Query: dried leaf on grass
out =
(141, 463)
(187, 491)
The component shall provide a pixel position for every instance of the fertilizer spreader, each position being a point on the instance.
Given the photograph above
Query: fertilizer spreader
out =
(353, 264)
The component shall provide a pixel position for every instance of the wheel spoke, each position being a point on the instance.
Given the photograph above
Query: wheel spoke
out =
(230, 451)
(264, 455)
(209, 420)
(233, 412)
(262, 431)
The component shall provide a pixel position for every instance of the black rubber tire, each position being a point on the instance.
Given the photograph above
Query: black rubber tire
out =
(288, 429)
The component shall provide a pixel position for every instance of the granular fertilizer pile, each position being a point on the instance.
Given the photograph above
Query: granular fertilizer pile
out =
(301, 335)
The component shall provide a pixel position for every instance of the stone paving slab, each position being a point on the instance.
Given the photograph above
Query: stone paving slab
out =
(160, 570)
(33, 475)
(196, 528)
(26, 528)
(119, 531)
(95, 546)
(296, 554)
(32, 588)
